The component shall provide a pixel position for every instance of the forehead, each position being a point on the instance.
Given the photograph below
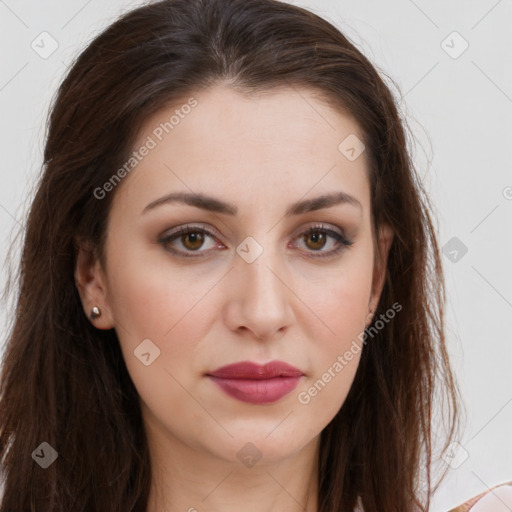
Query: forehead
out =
(280, 143)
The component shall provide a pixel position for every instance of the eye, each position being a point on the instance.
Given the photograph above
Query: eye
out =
(316, 239)
(189, 239)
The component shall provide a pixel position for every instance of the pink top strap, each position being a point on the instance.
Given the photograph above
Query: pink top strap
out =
(468, 505)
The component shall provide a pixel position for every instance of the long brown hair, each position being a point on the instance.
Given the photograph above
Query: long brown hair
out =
(65, 383)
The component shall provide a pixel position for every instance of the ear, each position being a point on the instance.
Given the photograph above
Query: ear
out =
(384, 241)
(91, 284)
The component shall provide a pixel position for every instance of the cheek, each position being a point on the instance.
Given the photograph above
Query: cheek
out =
(151, 297)
(172, 307)
(339, 297)
(336, 342)
(172, 310)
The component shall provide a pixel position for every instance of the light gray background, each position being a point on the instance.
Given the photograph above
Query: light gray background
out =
(460, 110)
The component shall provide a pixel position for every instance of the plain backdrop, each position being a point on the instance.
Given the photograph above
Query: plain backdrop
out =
(452, 64)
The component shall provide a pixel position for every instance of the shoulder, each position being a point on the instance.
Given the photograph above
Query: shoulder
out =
(496, 499)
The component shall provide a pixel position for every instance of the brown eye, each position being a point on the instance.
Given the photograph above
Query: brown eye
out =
(192, 240)
(317, 240)
(323, 242)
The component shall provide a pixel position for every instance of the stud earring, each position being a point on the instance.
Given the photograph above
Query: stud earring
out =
(95, 313)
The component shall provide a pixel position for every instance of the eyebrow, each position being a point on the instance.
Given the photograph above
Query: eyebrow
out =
(212, 204)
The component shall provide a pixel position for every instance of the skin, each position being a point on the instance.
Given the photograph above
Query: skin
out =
(260, 153)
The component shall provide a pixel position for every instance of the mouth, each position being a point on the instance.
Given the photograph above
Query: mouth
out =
(257, 384)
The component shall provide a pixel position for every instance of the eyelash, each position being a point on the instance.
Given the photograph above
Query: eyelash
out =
(319, 228)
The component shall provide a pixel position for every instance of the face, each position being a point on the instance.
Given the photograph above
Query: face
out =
(261, 272)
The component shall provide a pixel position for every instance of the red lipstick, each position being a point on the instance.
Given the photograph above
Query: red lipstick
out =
(257, 384)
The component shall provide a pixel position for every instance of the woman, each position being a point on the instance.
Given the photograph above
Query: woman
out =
(230, 291)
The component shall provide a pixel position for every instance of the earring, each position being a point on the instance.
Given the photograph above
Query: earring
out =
(95, 313)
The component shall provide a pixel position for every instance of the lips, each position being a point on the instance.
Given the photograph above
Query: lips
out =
(250, 370)
(257, 384)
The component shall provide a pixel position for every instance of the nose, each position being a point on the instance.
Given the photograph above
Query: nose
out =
(258, 296)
